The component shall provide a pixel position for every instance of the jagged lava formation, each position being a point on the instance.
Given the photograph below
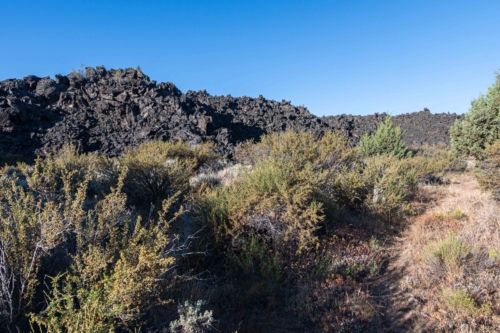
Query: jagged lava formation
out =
(110, 110)
(418, 127)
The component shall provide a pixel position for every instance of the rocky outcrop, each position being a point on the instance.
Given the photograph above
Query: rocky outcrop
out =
(110, 110)
(418, 128)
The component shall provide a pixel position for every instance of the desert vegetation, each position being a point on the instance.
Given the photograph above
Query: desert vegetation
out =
(295, 232)
(169, 238)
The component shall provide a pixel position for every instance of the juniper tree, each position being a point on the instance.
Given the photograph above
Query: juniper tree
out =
(387, 140)
(481, 125)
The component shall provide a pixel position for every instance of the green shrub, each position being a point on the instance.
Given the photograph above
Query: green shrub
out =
(487, 171)
(387, 140)
(330, 152)
(337, 165)
(480, 127)
(389, 182)
(119, 268)
(277, 201)
(157, 170)
(460, 304)
(33, 223)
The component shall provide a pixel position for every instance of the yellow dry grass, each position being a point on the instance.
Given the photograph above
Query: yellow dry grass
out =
(450, 259)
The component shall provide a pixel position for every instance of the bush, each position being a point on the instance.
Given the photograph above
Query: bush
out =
(294, 181)
(389, 183)
(157, 170)
(432, 163)
(119, 268)
(39, 206)
(192, 319)
(387, 140)
(100, 172)
(480, 127)
(107, 267)
(276, 201)
(488, 171)
(337, 165)
(330, 152)
(463, 307)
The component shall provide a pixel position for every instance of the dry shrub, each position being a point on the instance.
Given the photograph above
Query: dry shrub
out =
(342, 180)
(157, 170)
(282, 197)
(47, 174)
(276, 201)
(330, 152)
(107, 267)
(100, 172)
(225, 177)
(434, 162)
(119, 269)
(433, 221)
(450, 259)
(337, 165)
(390, 183)
(30, 228)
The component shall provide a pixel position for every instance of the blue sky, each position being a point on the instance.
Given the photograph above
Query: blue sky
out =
(357, 57)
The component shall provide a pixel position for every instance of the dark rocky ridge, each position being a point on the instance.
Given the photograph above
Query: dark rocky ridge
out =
(108, 111)
(418, 128)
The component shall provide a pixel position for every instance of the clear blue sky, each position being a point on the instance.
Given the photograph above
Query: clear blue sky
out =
(334, 57)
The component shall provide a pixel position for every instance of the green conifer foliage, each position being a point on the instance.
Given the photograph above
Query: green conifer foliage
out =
(481, 126)
(387, 140)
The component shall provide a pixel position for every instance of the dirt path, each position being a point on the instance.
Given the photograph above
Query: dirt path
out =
(401, 305)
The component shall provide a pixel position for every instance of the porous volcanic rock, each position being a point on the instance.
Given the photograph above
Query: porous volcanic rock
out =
(110, 110)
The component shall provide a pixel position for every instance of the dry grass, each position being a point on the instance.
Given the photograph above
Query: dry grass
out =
(224, 177)
(451, 260)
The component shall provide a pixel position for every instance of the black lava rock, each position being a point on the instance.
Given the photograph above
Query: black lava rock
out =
(110, 110)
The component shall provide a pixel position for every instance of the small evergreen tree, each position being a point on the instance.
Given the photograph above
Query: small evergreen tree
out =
(387, 140)
(480, 127)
